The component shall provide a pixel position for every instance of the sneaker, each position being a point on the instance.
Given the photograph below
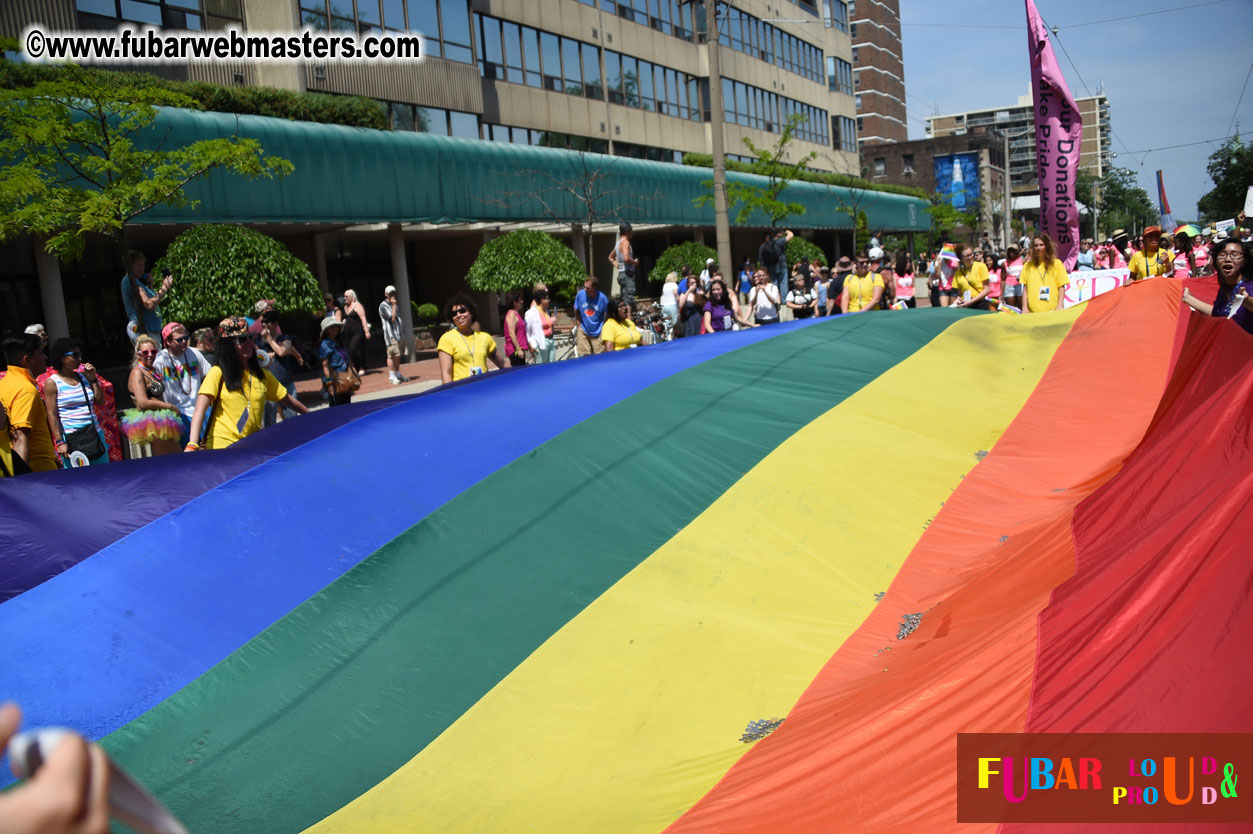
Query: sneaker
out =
(403, 378)
(394, 380)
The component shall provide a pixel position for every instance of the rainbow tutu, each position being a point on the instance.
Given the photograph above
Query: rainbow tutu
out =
(146, 426)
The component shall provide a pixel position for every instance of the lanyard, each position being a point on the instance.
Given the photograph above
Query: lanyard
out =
(468, 346)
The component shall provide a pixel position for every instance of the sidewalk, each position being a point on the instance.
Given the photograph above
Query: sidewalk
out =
(423, 373)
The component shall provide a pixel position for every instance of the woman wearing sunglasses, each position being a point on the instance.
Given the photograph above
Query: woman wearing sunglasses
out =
(234, 393)
(152, 427)
(464, 351)
(69, 402)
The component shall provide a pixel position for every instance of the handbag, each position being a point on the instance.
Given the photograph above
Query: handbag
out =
(344, 382)
(86, 439)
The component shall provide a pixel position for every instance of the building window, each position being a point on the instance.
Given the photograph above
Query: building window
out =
(859, 124)
(880, 167)
(172, 14)
(839, 75)
(843, 133)
(857, 101)
(745, 33)
(836, 13)
(445, 24)
(750, 106)
(907, 160)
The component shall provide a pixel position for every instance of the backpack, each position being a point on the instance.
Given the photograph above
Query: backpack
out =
(768, 254)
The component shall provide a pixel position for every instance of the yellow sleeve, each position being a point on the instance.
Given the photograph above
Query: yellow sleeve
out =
(609, 333)
(878, 282)
(274, 390)
(212, 382)
(489, 345)
(445, 344)
(1063, 277)
(22, 408)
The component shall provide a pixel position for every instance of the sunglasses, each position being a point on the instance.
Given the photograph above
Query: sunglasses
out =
(182, 338)
(147, 353)
(456, 311)
(77, 354)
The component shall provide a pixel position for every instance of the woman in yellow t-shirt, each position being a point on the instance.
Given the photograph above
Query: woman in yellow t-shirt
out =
(464, 351)
(970, 279)
(234, 392)
(620, 332)
(1043, 277)
(862, 289)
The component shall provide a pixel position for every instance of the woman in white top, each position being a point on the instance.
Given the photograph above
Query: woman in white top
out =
(539, 328)
(764, 299)
(670, 300)
(801, 301)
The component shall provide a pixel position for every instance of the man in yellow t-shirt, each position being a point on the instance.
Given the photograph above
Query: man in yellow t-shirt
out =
(970, 279)
(32, 439)
(1153, 261)
(862, 289)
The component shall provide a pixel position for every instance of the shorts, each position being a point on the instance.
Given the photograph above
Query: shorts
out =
(1012, 290)
(393, 350)
(585, 345)
(948, 293)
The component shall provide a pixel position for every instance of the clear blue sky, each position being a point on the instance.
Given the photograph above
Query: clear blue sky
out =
(1171, 78)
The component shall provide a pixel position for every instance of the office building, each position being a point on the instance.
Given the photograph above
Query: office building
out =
(1017, 123)
(878, 70)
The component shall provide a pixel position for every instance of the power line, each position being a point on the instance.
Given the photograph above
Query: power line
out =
(1071, 25)
(1184, 145)
(1242, 89)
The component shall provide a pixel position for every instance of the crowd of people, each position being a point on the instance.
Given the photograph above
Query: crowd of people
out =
(210, 388)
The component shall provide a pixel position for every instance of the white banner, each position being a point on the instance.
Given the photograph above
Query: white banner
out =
(1089, 283)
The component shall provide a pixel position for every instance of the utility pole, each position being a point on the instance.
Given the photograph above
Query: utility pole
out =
(722, 226)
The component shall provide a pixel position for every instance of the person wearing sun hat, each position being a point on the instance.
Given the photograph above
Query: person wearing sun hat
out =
(235, 391)
(1152, 261)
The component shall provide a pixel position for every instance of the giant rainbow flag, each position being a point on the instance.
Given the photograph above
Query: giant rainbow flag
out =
(756, 582)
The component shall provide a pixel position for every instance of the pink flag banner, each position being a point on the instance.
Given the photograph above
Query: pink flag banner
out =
(1058, 137)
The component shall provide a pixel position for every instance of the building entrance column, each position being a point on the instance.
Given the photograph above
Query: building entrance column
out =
(400, 279)
(51, 292)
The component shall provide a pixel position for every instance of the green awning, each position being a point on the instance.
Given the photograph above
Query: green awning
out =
(358, 175)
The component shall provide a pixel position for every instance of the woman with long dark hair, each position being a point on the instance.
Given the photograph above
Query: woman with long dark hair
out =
(70, 404)
(516, 344)
(234, 393)
(1233, 259)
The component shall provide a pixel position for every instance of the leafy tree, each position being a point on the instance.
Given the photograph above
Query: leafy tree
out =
(524, 257)
(1231, 169)
(798, 248)
(770, 164)
(946, 220)
(75, 160)
(689, 253)
(222, 270)
(1124, 205)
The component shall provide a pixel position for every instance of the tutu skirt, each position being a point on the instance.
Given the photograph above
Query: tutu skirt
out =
(148, 426)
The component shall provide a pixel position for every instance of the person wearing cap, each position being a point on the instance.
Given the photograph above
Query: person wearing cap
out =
(234, 393)
(706, 274)
(835, 290)
(389, 313)
(182, 369)
(1152, 262)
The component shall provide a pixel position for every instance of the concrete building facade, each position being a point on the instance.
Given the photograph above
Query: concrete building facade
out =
(1017, 123)
(878, 71)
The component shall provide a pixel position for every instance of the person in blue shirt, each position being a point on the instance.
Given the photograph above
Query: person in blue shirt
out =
(140, 298)
(591, 305)
(746, 279)
(1087, 258)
